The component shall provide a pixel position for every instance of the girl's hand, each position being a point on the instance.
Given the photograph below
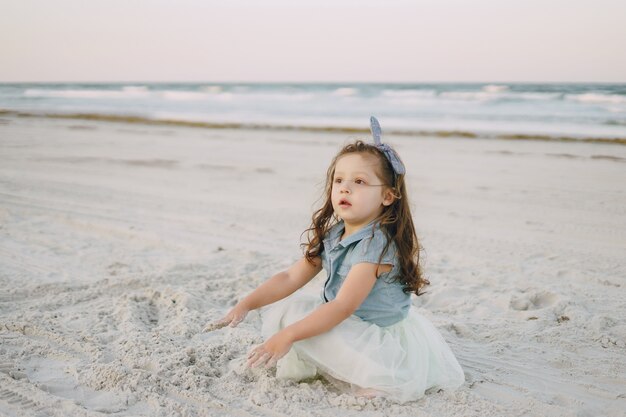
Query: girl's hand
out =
(271, 351)
(233, 318)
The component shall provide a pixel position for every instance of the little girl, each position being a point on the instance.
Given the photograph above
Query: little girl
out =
(363, 329)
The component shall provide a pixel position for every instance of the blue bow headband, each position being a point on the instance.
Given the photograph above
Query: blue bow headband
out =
(391, 155)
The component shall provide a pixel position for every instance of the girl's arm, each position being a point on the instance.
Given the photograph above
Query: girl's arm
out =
(276, 288)
(283, 284)
(356, 287)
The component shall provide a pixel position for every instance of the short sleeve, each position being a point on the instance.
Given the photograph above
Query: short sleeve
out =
(370, 248)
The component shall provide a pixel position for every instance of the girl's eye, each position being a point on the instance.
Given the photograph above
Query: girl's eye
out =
(359, 181)
(338, 180)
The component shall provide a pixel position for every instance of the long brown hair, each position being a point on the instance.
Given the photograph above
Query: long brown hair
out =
(395, 220)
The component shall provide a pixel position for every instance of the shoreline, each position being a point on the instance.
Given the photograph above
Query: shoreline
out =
(142, 120)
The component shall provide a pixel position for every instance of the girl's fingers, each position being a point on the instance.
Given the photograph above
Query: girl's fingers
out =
(252, 352)
(260, 360)
(272, 362)
(258, 356)
(236, 321)
(251, 358)
(254, 355)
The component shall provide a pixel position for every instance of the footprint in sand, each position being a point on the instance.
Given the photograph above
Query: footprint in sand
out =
(533, 301)
(608, 331)
(117, 267)
(460, 330)
(12, 370)
(19, 401)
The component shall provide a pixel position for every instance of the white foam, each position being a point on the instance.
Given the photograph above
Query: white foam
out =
(468, 95)
(538, 96)
(135, 89)
(126, 92)
(184, 95)
(345, 91)
(278, 97)
(597, 98)
(409, 93)
(214, 89)
(493, 88)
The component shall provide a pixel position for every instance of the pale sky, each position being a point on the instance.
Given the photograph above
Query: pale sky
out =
(313, 40)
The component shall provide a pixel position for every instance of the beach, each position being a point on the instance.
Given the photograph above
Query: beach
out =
(120, 241)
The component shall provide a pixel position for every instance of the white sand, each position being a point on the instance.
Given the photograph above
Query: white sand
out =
(119, 242)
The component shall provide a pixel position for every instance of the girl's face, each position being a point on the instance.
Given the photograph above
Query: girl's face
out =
(358, 195)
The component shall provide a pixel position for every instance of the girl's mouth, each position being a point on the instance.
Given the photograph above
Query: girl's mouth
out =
(344, 203)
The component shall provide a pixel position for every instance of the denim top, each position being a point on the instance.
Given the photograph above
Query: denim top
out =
(386, 303)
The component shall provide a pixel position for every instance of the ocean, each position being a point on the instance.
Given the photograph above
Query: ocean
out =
(548, 111)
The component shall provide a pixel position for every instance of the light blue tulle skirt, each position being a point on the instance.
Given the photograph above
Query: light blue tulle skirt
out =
(402, 360)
